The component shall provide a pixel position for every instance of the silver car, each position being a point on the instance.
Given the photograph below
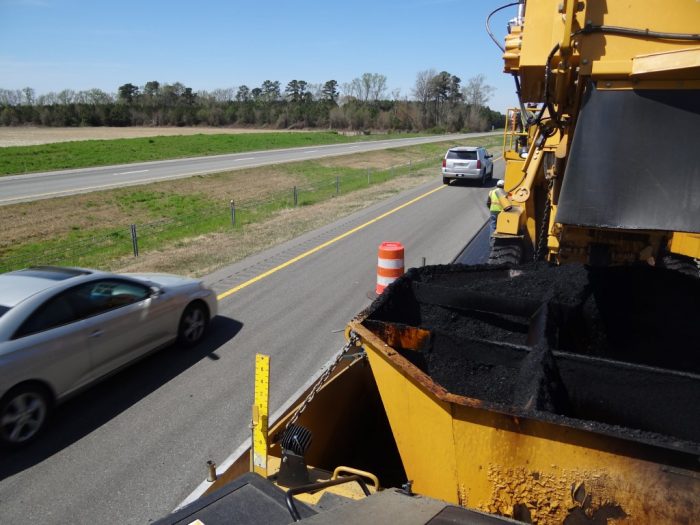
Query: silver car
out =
(469, 163)
(62, 329)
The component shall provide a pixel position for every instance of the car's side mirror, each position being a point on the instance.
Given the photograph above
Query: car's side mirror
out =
(156, 291)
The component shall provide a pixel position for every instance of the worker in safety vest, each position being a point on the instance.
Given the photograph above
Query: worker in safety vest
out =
(493, 202)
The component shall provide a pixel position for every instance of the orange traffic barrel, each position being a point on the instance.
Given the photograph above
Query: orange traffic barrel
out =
(389, 264)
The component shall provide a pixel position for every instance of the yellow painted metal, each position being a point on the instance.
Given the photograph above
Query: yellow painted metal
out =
(348, 490)
(687, 244)
(536, 46)
(648, 84)
(422, 427)
(508, 222)
(674, 61)
(363, 473)
(601, 56)
(468, 452)
(261, 411)
(605, 56)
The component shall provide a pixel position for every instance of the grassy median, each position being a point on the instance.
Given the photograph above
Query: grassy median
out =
(88, 153)
(185, 225)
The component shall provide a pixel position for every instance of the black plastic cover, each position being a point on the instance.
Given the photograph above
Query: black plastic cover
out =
(634, 162)
(248, 500)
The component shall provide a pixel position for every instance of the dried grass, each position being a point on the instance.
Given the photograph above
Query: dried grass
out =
(28, 136)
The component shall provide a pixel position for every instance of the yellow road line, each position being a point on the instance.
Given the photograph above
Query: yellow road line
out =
(322, 246)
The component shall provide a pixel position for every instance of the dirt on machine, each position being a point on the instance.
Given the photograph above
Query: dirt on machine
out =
(560, 382)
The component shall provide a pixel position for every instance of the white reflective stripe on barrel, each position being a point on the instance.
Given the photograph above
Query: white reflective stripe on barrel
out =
(393, 264)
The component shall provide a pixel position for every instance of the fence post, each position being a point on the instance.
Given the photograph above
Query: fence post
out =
(134, 240)
(233, 213)
(295, 196)
(368, 172)
(337, 185)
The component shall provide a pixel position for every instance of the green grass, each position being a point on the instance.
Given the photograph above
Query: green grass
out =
(88, 153)
(164, 218)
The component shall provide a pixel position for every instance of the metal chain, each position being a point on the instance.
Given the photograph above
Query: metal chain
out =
(545, 221)
(352, 341)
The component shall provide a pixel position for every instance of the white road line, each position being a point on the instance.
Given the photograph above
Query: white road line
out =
(246, 158)
(131, 172)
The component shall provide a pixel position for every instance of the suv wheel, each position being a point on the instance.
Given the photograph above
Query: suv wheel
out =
(445, 180)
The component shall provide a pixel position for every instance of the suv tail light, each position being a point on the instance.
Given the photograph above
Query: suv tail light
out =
(478, 164)
(444, 163)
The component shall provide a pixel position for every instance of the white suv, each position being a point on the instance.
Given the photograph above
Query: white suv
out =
(464, 162)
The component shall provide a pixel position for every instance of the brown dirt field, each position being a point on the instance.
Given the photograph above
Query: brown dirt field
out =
(28, 136)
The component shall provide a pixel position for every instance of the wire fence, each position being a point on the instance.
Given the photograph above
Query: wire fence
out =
(133, 240)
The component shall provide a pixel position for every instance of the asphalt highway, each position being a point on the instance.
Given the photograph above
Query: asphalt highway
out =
(35, 186)
(134, 447)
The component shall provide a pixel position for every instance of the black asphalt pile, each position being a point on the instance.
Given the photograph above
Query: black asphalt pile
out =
(564, 340)
(639, 314)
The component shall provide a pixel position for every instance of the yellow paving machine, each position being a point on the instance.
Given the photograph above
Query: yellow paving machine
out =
(610, 175)
(559, 384)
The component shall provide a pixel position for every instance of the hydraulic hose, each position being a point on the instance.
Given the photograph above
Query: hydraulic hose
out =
(641, 33)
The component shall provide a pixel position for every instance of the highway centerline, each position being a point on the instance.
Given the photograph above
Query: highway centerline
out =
(320, 247)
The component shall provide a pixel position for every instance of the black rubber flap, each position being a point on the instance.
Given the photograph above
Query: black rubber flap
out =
(247, 500)
(634, 162)
(460, 516)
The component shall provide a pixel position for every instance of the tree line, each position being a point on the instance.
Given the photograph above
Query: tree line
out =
(439, 102)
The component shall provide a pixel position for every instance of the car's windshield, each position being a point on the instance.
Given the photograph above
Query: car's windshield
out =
(4, 309)
(462, 155)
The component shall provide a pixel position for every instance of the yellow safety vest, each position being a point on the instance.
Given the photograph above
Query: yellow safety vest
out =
(495, 202)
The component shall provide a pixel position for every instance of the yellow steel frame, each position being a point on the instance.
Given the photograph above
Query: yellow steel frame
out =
(469, 453)
(613, 61)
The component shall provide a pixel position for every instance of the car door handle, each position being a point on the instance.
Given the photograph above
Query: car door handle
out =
(96, 333)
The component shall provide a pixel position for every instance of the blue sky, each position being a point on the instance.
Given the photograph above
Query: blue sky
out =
(51, 45)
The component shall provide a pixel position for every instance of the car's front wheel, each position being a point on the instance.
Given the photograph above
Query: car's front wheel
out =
(23, 413)
(193, 324)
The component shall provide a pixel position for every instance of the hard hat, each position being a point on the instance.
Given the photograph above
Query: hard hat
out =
(500, 183)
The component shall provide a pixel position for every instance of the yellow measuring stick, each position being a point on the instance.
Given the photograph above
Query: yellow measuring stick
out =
(261, 410)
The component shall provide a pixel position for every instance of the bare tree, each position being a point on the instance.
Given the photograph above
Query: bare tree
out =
(223, 94)
(476, 95)
(422, 92)
(67, 96)
(374, 85)
(369, 87)
(10, 97)
(29, 96)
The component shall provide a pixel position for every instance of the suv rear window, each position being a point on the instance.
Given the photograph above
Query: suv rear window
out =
(462, 155)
